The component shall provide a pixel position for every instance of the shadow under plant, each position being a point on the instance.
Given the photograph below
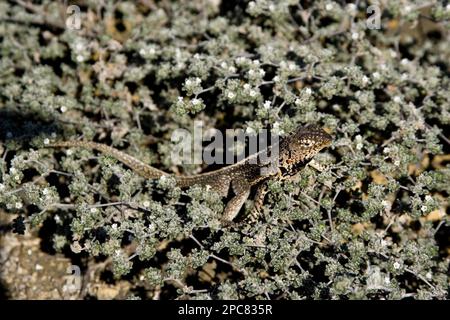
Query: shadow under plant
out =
(372, 223)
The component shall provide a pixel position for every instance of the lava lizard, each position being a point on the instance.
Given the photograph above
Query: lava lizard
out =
(294, 152)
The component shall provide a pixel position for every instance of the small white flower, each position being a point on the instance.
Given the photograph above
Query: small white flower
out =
(397, 162)
(428, 197)
(393, 54)
(329, 6)
(251, 72)
(291, 66)
(386, 150)
(46, 141)
(359, 146)
(142, 51)
(355, 35)
(297, 102)
(261, 72)
(18, 205)
(79, 46)
(114, 226)
(308, 91)
(46, 191)
(53, 134)
(146, 204)
(351, 7)
(246, 86)
(267, 104)
(358, 137)
(240, 60)
(424, 208)
(180, 99)
(224, 65)
(232, 69)
(63, 109)
(272, 8)
(196, 101)
(2, 187)
(429, 275)
(276, 78)
(276, 128)
(230, 95)
(253, 93)
(256, 62)
(39, 267)
(376, 75)
(80, 58)
(163, 178)
(387, 280)
(404, 76)
(250, 130)
(447, 7)
(93, 210)
(57, 218)
(69, 152)
(404, 61)
(396, 265)
(397, 99)
(365, 80)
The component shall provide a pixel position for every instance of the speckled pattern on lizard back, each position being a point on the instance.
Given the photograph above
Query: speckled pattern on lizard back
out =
(295, 150)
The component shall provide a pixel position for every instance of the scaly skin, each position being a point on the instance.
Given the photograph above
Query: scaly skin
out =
(295, 150)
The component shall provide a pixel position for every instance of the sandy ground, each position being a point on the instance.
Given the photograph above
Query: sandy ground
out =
(26, 272)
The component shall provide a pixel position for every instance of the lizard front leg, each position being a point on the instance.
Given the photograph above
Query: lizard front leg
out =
(260, 195)
(234, 205)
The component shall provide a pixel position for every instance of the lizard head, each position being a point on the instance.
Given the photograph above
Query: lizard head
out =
(301, 146)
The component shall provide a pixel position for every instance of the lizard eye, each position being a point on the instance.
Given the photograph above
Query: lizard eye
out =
(284, 170)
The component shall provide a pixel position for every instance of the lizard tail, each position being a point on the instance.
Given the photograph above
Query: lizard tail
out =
(136, 165)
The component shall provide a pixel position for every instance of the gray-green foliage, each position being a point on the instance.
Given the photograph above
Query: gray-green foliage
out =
(359, 228)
